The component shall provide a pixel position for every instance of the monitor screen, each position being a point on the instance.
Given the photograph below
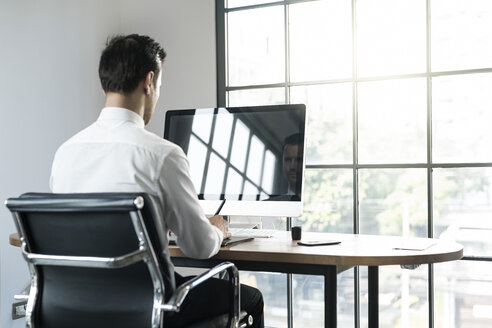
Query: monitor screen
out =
(251, 156)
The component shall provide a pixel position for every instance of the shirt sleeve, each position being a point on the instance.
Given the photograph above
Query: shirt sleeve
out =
(54, 172)
(196, 236)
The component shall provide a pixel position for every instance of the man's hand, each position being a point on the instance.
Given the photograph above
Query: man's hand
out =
(219, 222)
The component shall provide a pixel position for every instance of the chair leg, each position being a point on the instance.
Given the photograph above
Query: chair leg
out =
(19, 307)
(247, 321)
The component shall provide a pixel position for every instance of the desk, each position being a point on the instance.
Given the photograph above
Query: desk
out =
(281, 254)
(14, 239)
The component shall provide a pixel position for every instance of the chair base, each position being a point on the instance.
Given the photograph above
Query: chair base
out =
(245, 320)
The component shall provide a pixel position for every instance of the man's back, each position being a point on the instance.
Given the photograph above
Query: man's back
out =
(113, 154)
(116, 154)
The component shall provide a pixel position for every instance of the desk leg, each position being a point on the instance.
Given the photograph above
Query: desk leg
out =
(331, 297)
(290, 301)
(373, 297)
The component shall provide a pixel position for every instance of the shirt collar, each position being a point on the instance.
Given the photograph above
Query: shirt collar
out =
(120, 114)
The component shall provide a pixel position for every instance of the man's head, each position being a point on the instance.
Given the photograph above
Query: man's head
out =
(129, 62)
(293, 161)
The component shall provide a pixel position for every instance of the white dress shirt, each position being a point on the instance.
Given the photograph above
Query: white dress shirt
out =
(116, 154)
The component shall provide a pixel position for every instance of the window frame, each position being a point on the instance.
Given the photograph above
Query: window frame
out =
(429, 165)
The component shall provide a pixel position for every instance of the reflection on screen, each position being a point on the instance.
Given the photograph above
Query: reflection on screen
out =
(242, 153)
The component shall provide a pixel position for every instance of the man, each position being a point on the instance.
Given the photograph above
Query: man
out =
(292, 163)
(116, 154)
(292, 167)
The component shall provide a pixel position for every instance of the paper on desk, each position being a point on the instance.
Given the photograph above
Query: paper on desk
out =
(415, 245)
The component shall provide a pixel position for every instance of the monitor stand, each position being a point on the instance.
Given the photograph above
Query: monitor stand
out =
(237, 221)
(260, 222)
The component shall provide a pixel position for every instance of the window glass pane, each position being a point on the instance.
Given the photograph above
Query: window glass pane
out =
(255, 160)
(250, 191)
(234, 185)
(256, 97)
(393, 202)
(202, 124)
(320, 40)
(222, 135)
(268, 172)
(463, 208)
(403, 297)
(241, 137)
(196, 152)
(462, 294)
(329, 130)
(328, 201)
(462, 117)
(391, 37)
(215, 175)
(256, 46)
(240, 3)
(308, 295)
(461, 34)
(393, 121)
(273, 286)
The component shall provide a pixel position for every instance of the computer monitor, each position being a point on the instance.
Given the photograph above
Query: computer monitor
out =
(251, 156)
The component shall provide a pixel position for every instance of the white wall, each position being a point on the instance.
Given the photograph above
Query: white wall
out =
(49, 89)
(186, 30)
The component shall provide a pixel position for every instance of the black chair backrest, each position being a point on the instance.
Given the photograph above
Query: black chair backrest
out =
(90, 225)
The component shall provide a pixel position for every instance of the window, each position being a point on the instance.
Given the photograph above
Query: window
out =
(399, 140)
(248, 174)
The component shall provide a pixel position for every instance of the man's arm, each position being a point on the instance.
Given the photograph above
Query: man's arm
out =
(197, 237)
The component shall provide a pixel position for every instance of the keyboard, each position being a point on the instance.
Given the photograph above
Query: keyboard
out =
(250, 232)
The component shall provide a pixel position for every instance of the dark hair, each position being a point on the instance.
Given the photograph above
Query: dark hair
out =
(126, 60)
(294, 139)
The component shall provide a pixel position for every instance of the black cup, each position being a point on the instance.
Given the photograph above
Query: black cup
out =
(296, 233)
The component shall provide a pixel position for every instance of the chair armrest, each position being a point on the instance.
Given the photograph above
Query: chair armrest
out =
(182, 291)
(86, 261)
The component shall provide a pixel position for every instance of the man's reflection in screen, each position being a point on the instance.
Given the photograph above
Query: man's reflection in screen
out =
(292, 167)
(293, 164)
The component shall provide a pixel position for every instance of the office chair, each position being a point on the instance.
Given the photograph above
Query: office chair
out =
(96, 261)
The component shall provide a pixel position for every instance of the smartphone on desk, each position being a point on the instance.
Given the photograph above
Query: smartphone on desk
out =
(318, 242)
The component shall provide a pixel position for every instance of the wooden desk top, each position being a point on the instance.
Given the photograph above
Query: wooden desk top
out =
(353, 250)
(14, 239)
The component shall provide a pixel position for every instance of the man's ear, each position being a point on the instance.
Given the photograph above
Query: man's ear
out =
(149, 80)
